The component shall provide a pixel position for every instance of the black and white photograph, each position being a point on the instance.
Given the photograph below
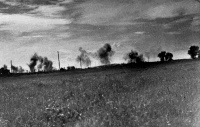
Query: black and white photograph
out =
(99, 63)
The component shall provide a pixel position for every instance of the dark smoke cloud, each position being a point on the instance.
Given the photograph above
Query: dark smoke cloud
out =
(105, 53)
(47, 64)
(33, 62)
(84, 58)
(44, 63)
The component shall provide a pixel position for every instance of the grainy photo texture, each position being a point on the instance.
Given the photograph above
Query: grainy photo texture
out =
(99, 63)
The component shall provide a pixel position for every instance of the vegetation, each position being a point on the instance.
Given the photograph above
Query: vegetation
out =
(168, 56)
(165, 56)
(162, 55)
(193, 51)
(116, 97)
(104, 54)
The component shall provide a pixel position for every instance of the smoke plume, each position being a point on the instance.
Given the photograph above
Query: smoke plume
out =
(83, 58)
(105, 53)
(153, 52)
(33, 62)
(20, 69)
(44, 63)
(5, 66)
(14, 69)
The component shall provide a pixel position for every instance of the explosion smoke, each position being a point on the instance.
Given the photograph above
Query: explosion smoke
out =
(33, 62)
(5, 66)
(47, 64)
(147, 54)
(14, 68)
(83, 58)
(20, 69)
(44, 65)
(105, 53)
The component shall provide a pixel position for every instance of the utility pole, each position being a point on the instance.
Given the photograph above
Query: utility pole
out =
(11, 66)
(81, 63)
(58, 60)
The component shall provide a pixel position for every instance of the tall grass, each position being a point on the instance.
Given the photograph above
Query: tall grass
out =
(156, 97)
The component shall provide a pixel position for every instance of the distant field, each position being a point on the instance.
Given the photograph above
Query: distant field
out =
(158, 95)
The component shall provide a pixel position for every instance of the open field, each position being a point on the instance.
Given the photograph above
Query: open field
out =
(154, 96)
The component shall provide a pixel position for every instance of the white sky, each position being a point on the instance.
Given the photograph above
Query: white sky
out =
(142, 25)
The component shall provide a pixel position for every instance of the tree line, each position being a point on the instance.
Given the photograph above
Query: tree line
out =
(131, 57)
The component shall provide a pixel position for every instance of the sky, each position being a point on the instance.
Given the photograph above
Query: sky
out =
(45, 27)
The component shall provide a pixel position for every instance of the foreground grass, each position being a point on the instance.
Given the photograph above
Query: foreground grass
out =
(153, 97)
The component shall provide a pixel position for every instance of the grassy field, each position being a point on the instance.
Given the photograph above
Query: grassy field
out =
(166, 95)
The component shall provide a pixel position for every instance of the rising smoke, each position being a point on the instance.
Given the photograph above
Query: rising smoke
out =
(83, 58)
(16, 69)
(105, 53)
(33, 62)
(153, 52)
(20, 69)
(44, 63)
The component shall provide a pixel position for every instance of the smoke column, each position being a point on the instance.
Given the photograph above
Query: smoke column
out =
(147, 54)
(14, 69)
(153, 52)
(105, 53)
(47, 64)
(83, 58)
(33, 62)
(44, 63)
(20, 69)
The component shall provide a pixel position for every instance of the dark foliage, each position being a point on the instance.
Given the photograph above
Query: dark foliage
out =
(193, 51)
(162, 55)
(4, 71)
(71, 68)
(62, 69)
(168, 56)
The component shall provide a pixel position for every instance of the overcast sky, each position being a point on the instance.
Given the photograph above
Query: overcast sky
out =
(65, 25)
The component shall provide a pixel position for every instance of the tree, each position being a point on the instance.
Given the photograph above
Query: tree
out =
(4, 71)
(193, 51)
(162, 55)
(168, 56)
